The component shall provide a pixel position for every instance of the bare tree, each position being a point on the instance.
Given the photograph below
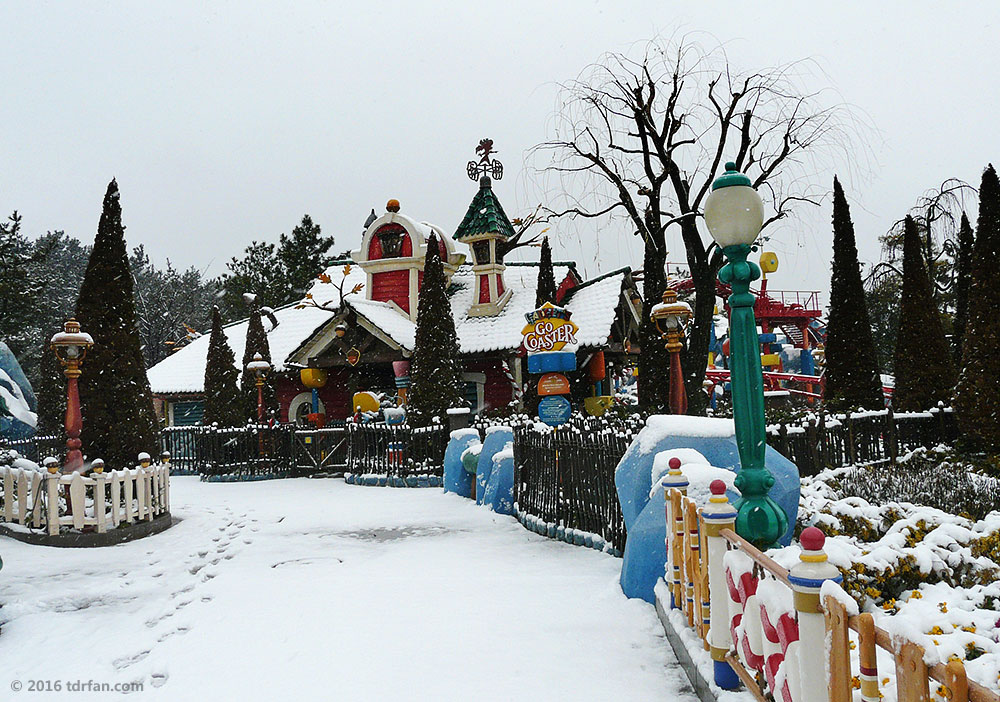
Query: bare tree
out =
(938, 214)
(642, 139)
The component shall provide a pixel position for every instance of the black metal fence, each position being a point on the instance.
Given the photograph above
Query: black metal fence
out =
(860, 438)
(37, 448)
(397, 453)
(566, 476)
(255, 452)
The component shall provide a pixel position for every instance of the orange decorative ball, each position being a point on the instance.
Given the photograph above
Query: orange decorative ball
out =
(392, 205)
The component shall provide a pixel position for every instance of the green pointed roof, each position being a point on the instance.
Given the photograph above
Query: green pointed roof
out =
(485, 215)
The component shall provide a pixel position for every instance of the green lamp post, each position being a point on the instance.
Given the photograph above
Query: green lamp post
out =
(734, 215)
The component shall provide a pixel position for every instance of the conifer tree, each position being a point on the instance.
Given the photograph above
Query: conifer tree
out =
(257, 343)
(50, 391)
(977, 399)
(963, 280)
(303, 256)
(223, 402)
(852, 373)
(545, 291)
(435, 376)
(925, 373)
(118, 417)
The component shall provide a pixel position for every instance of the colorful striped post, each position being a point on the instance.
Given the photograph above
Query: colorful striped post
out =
(718, 514)
(674, 480)
(866, 653)
(806, 578)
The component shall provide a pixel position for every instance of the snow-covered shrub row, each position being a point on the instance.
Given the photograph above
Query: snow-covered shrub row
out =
(925, 573)
(934, 477)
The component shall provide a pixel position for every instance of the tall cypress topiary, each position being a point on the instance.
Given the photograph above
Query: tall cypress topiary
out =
(223, 402)
(257, 343)
(963, 281)
(545, 291)
(925, 373)
(852, 373)
(435, 375)
(977, 399)
(118, 417)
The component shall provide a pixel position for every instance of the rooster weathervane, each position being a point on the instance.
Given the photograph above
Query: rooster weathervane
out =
(485, 165)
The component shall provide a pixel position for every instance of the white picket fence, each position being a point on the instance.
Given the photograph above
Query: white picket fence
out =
(784, 634)
(101, 501)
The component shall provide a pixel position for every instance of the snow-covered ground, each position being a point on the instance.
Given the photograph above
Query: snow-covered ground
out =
(313, 589)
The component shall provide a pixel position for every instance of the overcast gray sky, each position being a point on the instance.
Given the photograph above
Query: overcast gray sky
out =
(226, 122)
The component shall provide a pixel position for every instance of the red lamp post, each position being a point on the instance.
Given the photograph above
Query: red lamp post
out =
(259, 367)
(71, 346)
(670, 318)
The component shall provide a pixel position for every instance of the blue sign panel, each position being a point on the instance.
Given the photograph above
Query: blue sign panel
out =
(552, 362)
(554, 410)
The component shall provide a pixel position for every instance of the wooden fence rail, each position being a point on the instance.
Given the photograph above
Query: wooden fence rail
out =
(51, 501)
(765, 625)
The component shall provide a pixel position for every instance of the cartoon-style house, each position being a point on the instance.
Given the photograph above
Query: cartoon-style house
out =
(359, 320)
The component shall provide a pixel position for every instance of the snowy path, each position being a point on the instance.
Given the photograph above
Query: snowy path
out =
(313, 589)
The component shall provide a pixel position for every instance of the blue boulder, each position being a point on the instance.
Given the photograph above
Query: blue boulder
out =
(17, 401)
(456, 478)
(499, 494)
(496, 438)
(645, 552)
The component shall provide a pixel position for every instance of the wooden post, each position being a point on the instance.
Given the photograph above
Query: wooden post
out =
(692, 563)
(956, 681)
(674, 485)
(911, 674)
(52, 488)
(868, 661)
(22, 497)
(839, 653)
(99, 502)
(890, 431)
(128, 480)
(806, 578)
(8, 495)
(36, 494)
(718, 514)
(116, 497)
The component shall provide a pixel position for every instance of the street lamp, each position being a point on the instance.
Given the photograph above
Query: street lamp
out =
(260, 368)
(734, 215)
(71, 346)
(670, 318)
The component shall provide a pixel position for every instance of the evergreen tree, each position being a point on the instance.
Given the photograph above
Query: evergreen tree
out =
(257, 343)
(50, 392)
(59, 264)
(303, 256)
(118, 417)
(546, 288)
(435, 375)
(925, 374)
(258, 273)
(169, 303)
(963, 279)
(20, 291)
(223, 402)
(852, 373)
(977, 399)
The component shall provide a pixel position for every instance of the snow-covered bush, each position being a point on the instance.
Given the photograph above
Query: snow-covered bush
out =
(935, 477)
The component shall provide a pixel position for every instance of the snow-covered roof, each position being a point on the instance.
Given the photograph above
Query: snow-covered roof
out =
(302, 332)
(184, 370)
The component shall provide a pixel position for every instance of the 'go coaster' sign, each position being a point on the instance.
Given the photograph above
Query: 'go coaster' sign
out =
(549, 329)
